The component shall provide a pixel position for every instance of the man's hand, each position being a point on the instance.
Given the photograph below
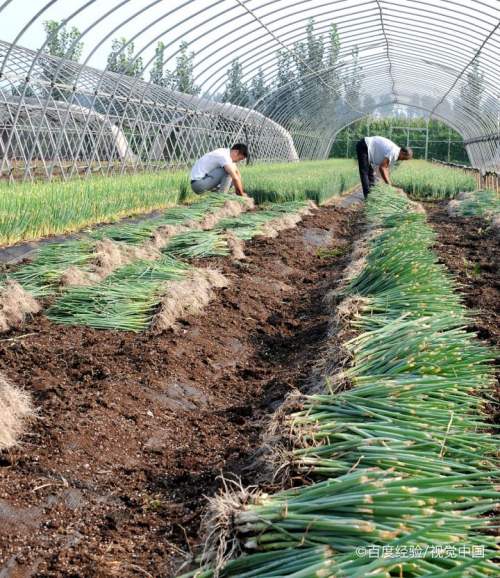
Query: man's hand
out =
(384, 171)
(233, 171)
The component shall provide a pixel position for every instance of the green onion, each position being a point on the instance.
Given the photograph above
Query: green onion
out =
(428, 181)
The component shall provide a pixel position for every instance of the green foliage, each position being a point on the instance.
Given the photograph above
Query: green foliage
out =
(42, 275)
(197, 245)
(286, 97)
(472, 89)
(62, 42)
(122, 59)
(309, 68)
(236, 90)
(316, 180)
(156, 74)
(126, 300)
(258, 88)
(444, 143)
(353, 80)
(316, 74)
(426, 181)
(31, 211)
(249, 225)
(183, 76)
(136, 233)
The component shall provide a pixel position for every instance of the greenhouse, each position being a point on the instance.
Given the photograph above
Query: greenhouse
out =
(383, 50)
(249, 320)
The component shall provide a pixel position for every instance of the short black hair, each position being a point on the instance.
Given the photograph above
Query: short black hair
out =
(241, 148)
(407, 151)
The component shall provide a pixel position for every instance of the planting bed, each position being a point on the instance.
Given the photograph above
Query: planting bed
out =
(134, 429)
(469, 248)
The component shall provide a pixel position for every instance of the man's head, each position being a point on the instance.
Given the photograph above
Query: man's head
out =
(405, 154)
(239, 152)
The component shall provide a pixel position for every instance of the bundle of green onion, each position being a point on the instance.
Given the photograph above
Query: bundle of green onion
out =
(246, 226)
(367, 507)
(329, 528)
(136, 233)
(249, 225)
(197, 245)
(126, 300)
(42, 275)
(480, 204)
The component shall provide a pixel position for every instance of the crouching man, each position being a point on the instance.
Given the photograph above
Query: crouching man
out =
(217, 171)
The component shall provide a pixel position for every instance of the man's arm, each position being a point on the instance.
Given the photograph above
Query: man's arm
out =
(234, 173)
(384, 171)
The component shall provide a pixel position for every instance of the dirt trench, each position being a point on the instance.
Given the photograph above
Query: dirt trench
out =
(134, 430)
(470, 249)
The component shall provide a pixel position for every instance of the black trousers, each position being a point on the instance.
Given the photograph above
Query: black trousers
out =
(366, 172)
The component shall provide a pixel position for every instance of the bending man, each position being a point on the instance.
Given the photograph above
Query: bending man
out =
(377, 152)
(217, 170)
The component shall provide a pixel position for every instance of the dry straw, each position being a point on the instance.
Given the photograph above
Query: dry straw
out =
(16, 410)
(15, 305)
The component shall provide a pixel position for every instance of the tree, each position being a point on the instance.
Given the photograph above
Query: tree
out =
(156, 75)
(285, 73)
(330, 87)
(236, 90)
(122, 59)
(183, 77)
(309, 54)
(353, 81)
(308, 58)
(284, 104)
(317, 65)
(258, 88)
(60, 43)
(471, 91)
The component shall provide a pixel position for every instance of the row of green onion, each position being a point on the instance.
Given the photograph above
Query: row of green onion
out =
(127, 299)
(403, 462)
(428, 181)
(42, 275)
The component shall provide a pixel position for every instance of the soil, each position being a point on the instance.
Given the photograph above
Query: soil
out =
(134, 431)
(470, 249)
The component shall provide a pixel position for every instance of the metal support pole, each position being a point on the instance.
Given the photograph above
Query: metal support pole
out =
(427, 140)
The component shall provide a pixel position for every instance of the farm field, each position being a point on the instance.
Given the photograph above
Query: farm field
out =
(352, 456)
(136, 421)
(30, 211)
(141, 425)
(292, 372)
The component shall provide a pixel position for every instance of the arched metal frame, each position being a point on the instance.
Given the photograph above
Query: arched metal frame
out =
(58, 117)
